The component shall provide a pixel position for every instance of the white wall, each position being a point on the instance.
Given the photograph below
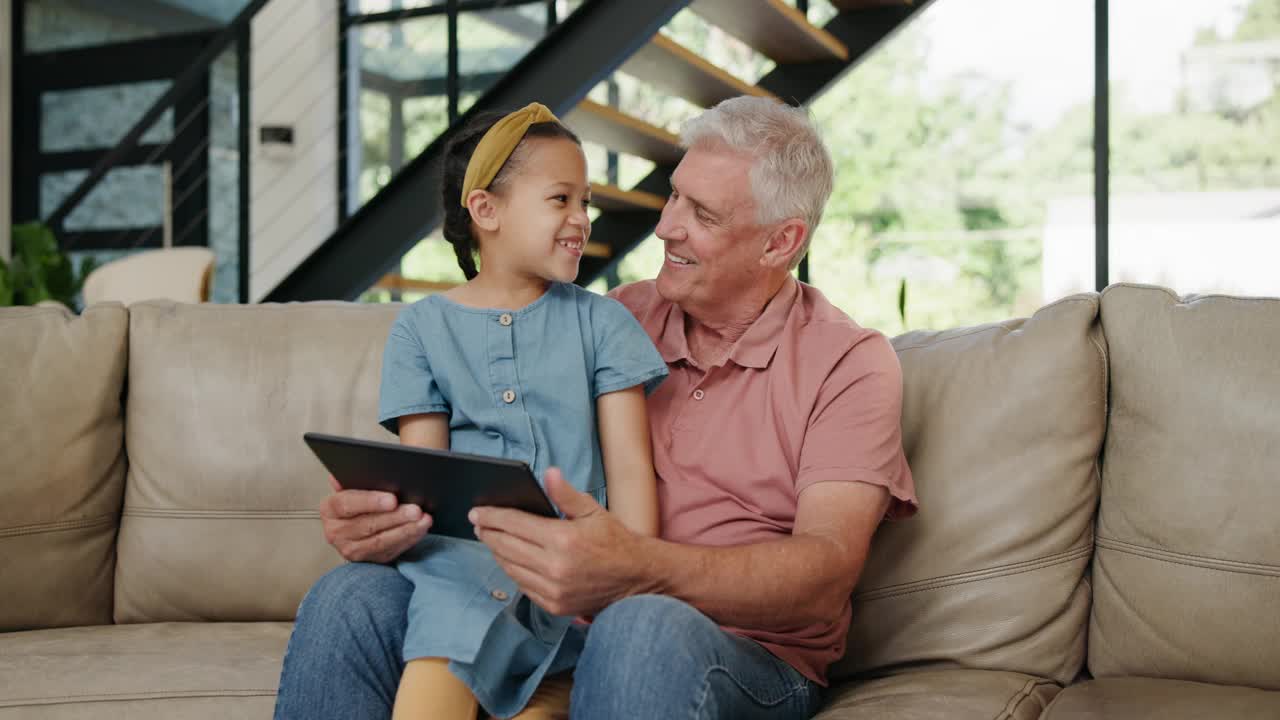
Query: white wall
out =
(6, 128)
(294, 76)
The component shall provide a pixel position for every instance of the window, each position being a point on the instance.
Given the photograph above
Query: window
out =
(1195, 145)
(949, 154)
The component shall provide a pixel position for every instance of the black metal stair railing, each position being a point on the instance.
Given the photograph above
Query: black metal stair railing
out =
(184, 83)
(560, 71)
(191, 174)
(197, 203)
(578, 54)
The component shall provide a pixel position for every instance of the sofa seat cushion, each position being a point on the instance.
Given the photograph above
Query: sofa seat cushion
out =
(941, 694)
(163, 670)
(1152, 699)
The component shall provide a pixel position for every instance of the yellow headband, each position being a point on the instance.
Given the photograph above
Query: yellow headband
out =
(498, 144)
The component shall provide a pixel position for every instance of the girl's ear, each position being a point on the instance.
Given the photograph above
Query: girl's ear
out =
(484, 210)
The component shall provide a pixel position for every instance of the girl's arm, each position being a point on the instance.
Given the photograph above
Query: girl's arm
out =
(425, 430)
(628, 459)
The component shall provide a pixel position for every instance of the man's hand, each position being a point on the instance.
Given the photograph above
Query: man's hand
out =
(366, 526)
(575, 566)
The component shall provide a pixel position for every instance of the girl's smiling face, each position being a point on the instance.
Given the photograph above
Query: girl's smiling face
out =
(541, 218)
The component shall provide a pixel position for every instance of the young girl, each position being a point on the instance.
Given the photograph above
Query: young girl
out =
(518, 363)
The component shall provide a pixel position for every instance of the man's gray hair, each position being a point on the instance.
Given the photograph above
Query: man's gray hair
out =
(791, 175)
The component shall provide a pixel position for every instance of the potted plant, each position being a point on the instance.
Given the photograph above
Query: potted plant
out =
(39, 270)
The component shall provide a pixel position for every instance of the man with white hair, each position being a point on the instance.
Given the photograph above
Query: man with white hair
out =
(778, 451)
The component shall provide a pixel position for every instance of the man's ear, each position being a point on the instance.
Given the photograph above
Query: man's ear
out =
(484, 210)
(784, 242)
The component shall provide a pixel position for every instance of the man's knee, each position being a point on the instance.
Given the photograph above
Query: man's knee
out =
(647, 651)
(343, 658)
(356, 592)
(644, 624)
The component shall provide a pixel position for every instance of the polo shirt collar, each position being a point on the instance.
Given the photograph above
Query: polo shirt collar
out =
(757, 345)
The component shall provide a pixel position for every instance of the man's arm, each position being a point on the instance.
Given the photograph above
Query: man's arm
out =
(782, 584)
(581, 566)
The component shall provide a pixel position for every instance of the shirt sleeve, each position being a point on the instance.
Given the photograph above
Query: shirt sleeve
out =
(855, 430)
(408, 385)
(625, 356)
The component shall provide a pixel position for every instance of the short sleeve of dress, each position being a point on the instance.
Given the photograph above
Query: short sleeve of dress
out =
(408, 385)
(625, 356)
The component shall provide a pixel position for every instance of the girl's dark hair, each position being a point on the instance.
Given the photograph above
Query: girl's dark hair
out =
(457, 219)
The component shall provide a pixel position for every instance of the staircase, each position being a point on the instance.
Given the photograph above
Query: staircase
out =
(596, 40)
(581, 52)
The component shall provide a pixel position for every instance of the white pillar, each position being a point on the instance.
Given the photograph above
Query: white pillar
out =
(294, 82)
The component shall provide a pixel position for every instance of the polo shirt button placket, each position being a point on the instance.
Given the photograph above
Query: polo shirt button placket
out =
(698, 394)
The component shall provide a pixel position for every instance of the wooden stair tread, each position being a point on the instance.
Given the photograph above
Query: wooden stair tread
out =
(612, 197)
(597, 249)
(620, 132)
(676, 70)
(773, 27)
(394, 281)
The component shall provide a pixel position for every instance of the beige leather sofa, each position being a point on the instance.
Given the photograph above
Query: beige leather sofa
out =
(1100, 534)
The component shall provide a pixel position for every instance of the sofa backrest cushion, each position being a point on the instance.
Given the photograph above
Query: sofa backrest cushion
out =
(220, 513)
(1187, 573)
(1002, 425)
(63, 464)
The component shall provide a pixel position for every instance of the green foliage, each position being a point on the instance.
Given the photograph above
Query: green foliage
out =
(39, 270)
(1261, 22)
(6, 285)
(902, 301)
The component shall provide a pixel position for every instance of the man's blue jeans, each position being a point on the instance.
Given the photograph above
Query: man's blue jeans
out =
(646, 657)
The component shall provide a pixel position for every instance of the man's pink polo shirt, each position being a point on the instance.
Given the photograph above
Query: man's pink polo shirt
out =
(806, 396)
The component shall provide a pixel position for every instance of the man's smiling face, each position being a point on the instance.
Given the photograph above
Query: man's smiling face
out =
(712, 240)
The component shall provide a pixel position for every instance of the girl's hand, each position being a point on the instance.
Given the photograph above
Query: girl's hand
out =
(367, 526)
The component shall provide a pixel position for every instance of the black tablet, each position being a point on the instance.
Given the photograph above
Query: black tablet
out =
(445, 484)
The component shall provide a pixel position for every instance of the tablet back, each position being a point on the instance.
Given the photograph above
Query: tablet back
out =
(445, 484)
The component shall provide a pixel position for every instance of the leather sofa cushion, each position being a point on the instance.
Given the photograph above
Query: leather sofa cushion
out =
(1187, 573)
(1002, 425)
(142, 672)
(941, 695)
(63, 464)
(1153, 699)
(220, 513)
